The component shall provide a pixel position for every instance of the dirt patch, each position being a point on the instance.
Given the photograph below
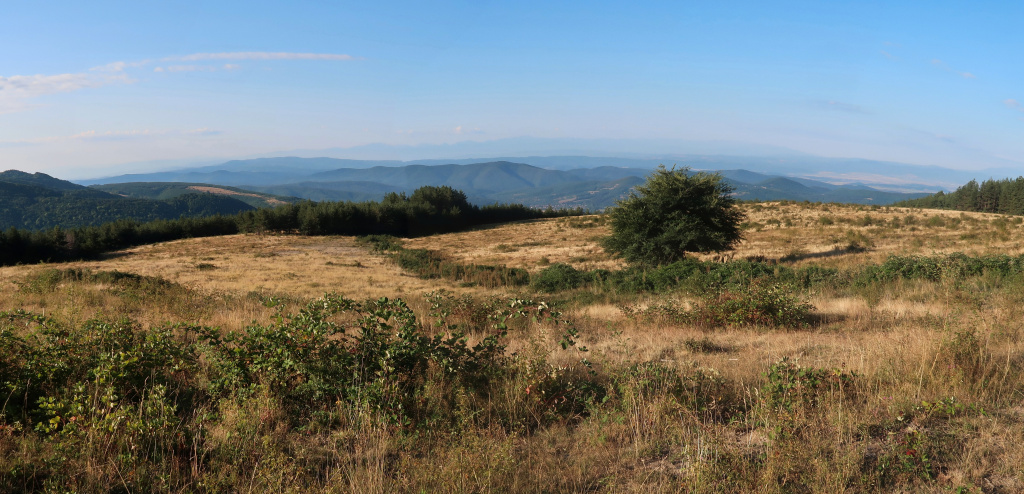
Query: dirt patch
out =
(225, 192)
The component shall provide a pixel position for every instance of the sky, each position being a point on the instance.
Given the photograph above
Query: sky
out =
(85, 86)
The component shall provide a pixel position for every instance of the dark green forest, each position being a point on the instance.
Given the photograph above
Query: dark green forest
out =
(428, 210)
(1004, 196)
(40, 202)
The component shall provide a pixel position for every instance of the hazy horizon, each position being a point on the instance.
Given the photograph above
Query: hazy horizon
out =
(89, 87)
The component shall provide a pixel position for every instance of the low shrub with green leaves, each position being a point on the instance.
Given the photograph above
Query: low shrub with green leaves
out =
(790, 385)
(757, 305)
(558, 277)
(140, 402)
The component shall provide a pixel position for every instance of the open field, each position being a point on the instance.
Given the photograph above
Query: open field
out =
(809, 233)
(906, 385)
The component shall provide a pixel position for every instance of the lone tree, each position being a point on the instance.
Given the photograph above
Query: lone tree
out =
(673, 213)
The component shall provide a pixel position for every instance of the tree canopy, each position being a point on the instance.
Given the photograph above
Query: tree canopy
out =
(991, 196)
(673, 213)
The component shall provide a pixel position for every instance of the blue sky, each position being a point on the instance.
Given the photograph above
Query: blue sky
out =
(84, 85)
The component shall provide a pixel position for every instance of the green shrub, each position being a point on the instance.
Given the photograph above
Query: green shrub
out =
(558, 277)
(757, 305)
(791, 385)
(381, 243)
(430, 264)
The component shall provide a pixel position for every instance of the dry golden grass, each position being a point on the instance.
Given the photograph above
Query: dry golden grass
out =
(806, 233)
(820, 233)
(225, 192)
(899, 340)
(303, 267)
(529, 244)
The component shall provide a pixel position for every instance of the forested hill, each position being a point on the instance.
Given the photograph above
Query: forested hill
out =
(991, 196)
(40, 202)
(171, 190)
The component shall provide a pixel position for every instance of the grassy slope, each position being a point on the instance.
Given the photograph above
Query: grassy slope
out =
(913, 345)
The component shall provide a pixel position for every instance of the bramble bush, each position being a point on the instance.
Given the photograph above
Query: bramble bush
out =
(756, 305)
(140, 401)
(790, 385)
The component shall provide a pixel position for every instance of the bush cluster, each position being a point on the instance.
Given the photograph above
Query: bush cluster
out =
(690, 274)
(700, 277)
(139, 400)
(936, 268)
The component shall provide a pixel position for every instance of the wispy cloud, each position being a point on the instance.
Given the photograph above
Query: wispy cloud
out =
(28, 86)
(833, 105)
(196, 68)
(203, 132)
(890, 47)
(944, 66)
(113, 135)
(120, 66)
(1013, 104)
(260, 55)
(186, 68)
(460, 130)
(17, 89)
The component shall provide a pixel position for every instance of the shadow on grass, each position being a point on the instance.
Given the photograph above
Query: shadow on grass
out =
(835, 252)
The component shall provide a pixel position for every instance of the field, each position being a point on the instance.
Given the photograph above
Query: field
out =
(901, 382)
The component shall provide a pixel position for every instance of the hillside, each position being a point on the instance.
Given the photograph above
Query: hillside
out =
(897, 368)
(170, 190)
(40, 202)
(41, 180)
(333, 191)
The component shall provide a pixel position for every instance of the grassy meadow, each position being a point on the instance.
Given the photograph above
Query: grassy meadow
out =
(252, 363)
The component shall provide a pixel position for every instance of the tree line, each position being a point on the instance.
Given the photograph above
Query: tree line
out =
(428, 210)
(991, 196)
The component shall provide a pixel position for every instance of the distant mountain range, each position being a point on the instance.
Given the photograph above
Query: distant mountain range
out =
(595, 185)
